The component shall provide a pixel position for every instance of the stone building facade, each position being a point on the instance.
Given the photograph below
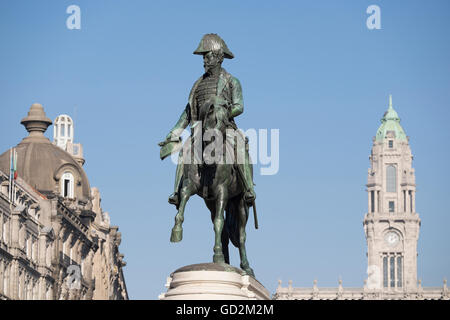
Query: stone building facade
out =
(56, 242)
(391, 226)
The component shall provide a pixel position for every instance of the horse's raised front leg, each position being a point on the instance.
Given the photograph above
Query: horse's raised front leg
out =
(243, 217)
(177, 231)
(221, 203)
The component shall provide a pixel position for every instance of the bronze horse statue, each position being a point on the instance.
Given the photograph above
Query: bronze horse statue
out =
(222, 190)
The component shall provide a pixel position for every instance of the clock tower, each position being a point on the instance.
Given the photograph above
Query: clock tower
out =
(391, 224)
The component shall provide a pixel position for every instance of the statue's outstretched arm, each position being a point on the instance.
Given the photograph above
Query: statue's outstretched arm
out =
(177, 130)
(181, 124)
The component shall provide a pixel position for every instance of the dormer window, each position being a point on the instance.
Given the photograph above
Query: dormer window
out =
(391, 144)
(67, 185)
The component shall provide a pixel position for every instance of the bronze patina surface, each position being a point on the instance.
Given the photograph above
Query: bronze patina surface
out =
(226, 187)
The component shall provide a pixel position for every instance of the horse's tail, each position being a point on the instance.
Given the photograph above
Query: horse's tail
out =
(232, 221)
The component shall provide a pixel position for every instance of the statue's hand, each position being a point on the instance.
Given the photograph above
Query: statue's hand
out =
(166, 141)
(170, 138)
(162, 143)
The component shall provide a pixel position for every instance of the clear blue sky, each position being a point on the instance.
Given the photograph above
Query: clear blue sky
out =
(309, 68)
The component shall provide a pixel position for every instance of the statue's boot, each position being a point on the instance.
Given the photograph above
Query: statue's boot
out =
(249, 196)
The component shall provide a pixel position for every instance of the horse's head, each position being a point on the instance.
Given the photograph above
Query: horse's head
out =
(214, 117)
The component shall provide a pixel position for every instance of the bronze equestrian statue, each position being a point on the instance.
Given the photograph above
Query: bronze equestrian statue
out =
(226, 186)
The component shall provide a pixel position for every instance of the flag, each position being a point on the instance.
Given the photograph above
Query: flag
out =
(15, 165)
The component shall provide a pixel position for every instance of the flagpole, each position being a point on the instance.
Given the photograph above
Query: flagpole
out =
(14, 177)
(10, 170)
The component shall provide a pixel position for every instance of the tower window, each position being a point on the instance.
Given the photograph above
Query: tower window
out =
(385, 271)
(372, 201)
(391, 144)
(404, 200)
(67, 185)
(391, 179)
(392, 271)
(391, 206)
(410, 201)
(399, 272)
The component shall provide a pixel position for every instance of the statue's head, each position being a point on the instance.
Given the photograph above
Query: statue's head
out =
(214, 50)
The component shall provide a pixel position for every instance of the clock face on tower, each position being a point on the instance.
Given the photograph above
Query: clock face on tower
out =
(391, 238)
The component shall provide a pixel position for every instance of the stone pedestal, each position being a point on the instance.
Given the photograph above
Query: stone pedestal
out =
(212, 281)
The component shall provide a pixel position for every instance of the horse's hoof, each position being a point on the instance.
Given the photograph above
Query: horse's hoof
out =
(249, 271)
(218, 258)
(177, 234)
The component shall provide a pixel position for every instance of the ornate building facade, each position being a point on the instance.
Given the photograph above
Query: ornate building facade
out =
(56, 242)
(391, 226)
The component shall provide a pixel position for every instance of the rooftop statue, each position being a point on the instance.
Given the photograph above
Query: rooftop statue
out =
(214, 162)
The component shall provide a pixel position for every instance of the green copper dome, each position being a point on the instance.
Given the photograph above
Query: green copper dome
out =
(390, 122)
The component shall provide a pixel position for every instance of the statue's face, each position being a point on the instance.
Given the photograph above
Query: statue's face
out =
(211, 60)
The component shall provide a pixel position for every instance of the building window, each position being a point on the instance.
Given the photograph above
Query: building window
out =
(19, 285)
(392, 271)
(372, 201)
(6, 279)
(391, 179)
(410, 201)
(404, 200)
(27, 246)
(378, 202)
(391, 144)
(391, 206)
(34, 249)
(399, 272)
(5, 232)
(67, 185)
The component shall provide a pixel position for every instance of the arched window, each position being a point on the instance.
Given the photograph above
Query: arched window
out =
(391, 179)
(67, 185)
(63, 131)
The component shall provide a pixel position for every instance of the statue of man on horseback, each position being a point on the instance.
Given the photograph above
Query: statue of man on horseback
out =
(225, 185)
